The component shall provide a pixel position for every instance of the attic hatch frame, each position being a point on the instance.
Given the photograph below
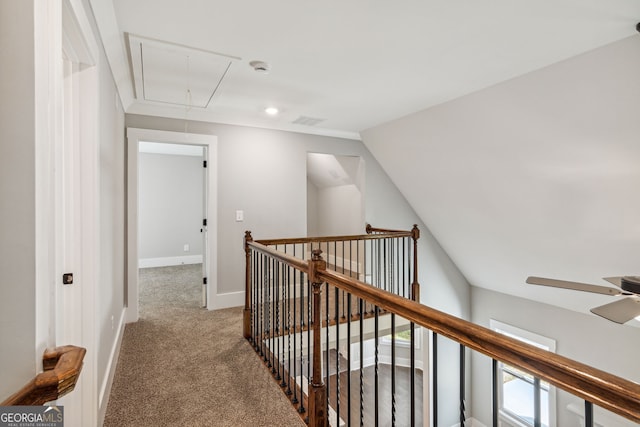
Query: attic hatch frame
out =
(217, 66)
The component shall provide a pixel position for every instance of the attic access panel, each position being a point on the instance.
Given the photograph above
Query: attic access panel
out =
(175, 74)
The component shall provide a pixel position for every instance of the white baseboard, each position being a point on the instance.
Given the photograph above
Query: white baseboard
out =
(169, 261)
(228, 300)
(107, 381)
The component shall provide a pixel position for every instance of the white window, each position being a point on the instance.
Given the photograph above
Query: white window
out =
(517, 388)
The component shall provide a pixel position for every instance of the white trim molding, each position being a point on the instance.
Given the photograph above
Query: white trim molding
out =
(112, 364)
(228, 300)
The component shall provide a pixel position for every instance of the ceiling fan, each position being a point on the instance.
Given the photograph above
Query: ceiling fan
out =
(620, 311)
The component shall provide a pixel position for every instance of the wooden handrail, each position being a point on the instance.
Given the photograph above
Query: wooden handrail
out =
(605, 390)
(371, 229)
(62, 366)
(294, 240)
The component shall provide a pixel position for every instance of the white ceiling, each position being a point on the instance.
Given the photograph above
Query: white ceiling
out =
(501, 210)
(349, 65)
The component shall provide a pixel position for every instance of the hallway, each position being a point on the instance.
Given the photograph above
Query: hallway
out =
(183, 365)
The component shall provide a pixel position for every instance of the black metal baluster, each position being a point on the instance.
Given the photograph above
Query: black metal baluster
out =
(462, 385)
(267, 311)
(308, 308)
(304, 306)
(361, 315)
(588, 414)
(377, 367)
(396, 263)
(412, 349)
(434, 396)
(403, 272)
(276, 335)
(337, 320)
(295, 342)
(349, 319)
(255, 257)
(378, 268)
(343, 271)
(265, 319)
(263, 290)
(385, 266)
(327, 364)
(494, 392)
(289, 334)
(272, 313)
(283, 324)
(254, 296)
(393, 369)
(392, 267)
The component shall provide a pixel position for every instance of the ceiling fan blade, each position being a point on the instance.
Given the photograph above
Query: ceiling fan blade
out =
(614, 281)
(576, 286)
(620, 311)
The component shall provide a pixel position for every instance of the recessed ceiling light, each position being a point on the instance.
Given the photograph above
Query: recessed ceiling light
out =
(272, 111)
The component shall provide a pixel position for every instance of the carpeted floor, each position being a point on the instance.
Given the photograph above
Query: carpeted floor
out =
(181, 365)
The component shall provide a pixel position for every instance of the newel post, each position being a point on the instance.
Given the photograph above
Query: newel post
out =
(247, 290)
(415, 286)
(318, 390)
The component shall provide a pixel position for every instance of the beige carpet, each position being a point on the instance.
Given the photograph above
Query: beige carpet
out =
(181, 365)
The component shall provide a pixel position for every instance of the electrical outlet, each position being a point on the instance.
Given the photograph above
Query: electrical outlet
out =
(113, 323)
(186, 247)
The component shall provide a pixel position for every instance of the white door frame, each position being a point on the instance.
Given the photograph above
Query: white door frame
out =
(134, 137)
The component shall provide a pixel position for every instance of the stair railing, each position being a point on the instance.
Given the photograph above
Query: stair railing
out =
(293, 320)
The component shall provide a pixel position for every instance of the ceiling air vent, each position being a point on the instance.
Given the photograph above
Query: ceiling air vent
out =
(307, 121)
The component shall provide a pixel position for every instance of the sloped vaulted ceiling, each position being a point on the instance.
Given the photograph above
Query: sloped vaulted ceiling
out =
(539, 175)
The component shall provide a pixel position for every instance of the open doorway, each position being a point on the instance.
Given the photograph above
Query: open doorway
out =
(179, 248)
(335, 195)
(171, 209)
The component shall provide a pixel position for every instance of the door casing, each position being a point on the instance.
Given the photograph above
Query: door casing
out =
(210, 142)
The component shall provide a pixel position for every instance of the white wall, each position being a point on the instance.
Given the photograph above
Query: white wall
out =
(583, 337)
(170, 207)
(263, 172)
(17, 201)
(339, 210)
(312, 209)
(111, 289)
